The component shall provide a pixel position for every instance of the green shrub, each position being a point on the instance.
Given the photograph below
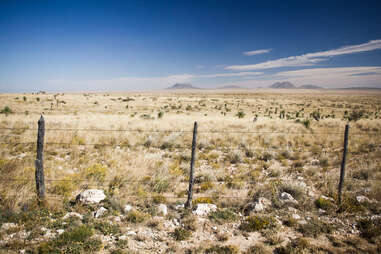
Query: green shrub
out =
(350, 205)
(306, 123)
(159, 199)
(226, 249)
(314, 228)
(160, 114)
(369, 228)
(96, 172)
(76, 240)
(181, 234)
(202, 200)
(107, 228)
(259, 248)
(136, 216)
(240, 114)
(223, 215)
(6, 110)
(256, 223)
(323, 203)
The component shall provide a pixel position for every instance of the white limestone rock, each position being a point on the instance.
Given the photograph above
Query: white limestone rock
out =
(204, 209)
(72, 214)
(162, 209)
(91, 196)
(127, 208)
(261, 204)
(287, 197)
(7, 226)
(100, 212)
(362, 199)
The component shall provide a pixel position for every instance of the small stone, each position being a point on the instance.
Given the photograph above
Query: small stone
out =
(302, 222)
(261, 204)
(204, 209)
(362, 199)
(322, 210)
(296, 216)
(7, 226)
(287, 197)
(72, 214)
(162, 209)
(100, 212)
(49, 234)
(127, 208)
(60, 231)
(123, 237)
(176, 222)
(179, 207)
(92, 196)
(130, 233)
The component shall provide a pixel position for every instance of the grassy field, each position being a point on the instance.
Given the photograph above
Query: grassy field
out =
(251, 145)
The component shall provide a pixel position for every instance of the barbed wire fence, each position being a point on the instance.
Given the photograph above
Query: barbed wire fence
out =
(39, 145)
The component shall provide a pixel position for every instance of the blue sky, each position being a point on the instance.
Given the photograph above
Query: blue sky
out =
(142, 45)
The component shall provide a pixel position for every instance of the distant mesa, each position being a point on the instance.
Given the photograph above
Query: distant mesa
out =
(231, 87)
(182, 86)
(283, 85)
(310, 87)
(289, 85)
(359, 88)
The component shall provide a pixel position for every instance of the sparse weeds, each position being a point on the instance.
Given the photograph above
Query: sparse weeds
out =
(76, 240)
(223, 215)
(324, 204)
(314, 228)
(136, 216)
(369, 229)
(181, 234)
(222, 249)
(256, 223)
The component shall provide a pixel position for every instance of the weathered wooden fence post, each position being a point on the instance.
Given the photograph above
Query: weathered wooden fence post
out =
(39, 162)
(342, 171)
(188, 204)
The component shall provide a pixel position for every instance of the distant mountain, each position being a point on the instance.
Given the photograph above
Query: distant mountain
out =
(310, 87)
(284, 84)
(231, 87)
(359, 88)
(182, 86)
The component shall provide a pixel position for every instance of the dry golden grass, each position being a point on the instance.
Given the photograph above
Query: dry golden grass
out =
(121, 143)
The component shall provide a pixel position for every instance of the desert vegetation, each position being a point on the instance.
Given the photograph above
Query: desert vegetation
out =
(267, 185)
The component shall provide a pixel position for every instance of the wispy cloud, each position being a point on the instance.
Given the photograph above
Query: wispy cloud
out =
(234, 74)
(310, 58)
(200, 66)
(256, 52)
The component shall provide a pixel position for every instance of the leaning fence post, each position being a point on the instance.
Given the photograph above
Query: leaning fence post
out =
(39, 162)
(342, 171)
(191, 180)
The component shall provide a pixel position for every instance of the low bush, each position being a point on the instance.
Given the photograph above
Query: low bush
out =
(256, 223)
(314, 228)
(323, 203)
(76, 240)
(223, 215)
(369, 228)
(136, 216)
(226, 249)
(181, 234)
(107, 228)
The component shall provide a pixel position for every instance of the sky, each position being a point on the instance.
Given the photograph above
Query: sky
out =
(148, 45)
